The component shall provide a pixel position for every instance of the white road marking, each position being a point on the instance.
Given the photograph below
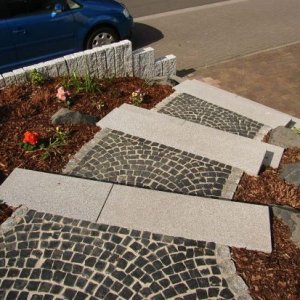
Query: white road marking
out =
(186, 10)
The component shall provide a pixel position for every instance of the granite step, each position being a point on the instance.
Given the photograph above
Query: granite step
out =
(240, 105)
(225, 222)
(48, 256)
(193, 109)
(114, 156)
(237, 151)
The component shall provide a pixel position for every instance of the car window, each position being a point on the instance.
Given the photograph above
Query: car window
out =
(72, 4)
(18, 8)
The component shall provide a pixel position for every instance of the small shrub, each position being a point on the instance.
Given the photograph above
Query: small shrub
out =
(86, 84)
(137, 98)
(36, 78)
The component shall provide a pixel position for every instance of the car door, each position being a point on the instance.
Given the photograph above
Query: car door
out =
(7, 48)
(38, 32)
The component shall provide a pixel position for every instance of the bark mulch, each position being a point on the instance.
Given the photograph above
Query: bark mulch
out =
(268, 187)
(274, 276)
(29, 108)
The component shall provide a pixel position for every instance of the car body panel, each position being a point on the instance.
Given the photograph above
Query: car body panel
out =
(28, 39)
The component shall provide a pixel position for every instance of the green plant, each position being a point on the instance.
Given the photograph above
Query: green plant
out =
(86, 84)
(137, 98)
(296, 130)
(36, 78)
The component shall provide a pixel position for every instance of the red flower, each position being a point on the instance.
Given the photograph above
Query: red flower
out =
(31, 137)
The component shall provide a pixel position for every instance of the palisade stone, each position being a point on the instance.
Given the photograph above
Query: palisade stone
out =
(2, 82)
(143, 63)
(110, 61)
(9, 78)
(20, 76)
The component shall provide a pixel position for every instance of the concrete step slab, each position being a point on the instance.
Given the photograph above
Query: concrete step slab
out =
(229, 223)
(67, 196)
(239, 152)
(235, 103)
(220, 221)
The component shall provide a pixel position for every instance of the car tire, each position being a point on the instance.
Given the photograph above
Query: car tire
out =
(101, 36)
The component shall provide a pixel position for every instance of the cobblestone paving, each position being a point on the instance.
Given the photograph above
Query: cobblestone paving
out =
(44, 256)
(121, 158)
(196, 110)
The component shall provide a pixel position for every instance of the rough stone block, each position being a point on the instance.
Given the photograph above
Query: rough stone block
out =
(143, 63)
(291, 173)
(158, 67)
(2, 82)
(51, 68)
(61, 66)
(101, 67)
(20, 75)
(284, 137)
(82, 66)
(72, 64)
(9, 78)
(91, 62)
(165, 66)
(41, 68)
(123, 58)
(110, 61)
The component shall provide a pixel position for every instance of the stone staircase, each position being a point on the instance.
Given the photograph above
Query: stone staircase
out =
(162, 182)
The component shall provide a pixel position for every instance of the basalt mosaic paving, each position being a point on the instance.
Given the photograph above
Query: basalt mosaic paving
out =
(196, 110)
(45, 256)
(122, 158)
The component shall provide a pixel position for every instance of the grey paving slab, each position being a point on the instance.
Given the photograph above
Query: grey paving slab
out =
(235, 103)
(237, 151)
(273, 153)
(46, 256)
(71, 197)
(228, 223)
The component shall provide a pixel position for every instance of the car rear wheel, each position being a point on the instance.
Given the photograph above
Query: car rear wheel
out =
(101, 36)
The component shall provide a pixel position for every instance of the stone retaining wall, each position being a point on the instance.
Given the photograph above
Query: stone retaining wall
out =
(115, 60)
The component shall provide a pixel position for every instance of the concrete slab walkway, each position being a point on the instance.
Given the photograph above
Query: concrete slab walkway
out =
(237, 151)
(224, 222)
(235, 103)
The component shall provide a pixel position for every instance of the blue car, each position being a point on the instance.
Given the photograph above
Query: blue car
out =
(32, 31)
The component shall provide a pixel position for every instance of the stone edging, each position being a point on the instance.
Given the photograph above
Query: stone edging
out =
(85, 149)
(115, 60)
(227, 267)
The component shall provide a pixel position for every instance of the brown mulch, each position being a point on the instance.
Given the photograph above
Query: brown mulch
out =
(268, 187)
(274, 276)
(29, 108)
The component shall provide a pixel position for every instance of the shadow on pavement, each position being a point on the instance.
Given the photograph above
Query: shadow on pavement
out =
(144, 35)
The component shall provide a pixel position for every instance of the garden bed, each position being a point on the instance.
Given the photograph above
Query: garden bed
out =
(30, 107)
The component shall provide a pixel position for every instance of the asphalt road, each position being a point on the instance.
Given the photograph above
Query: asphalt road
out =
(202, 34)
(140, 8)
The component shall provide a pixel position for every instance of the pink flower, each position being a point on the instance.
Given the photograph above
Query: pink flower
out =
(62, 94)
